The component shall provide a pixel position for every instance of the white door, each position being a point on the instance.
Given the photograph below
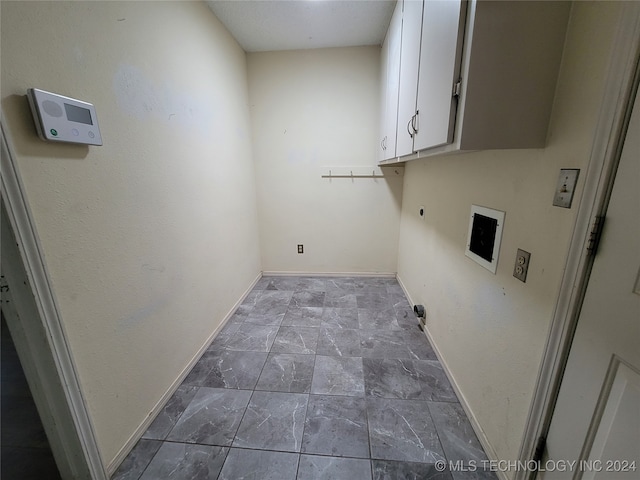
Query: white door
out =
(409, 61)
(596, 421)
(440, 51)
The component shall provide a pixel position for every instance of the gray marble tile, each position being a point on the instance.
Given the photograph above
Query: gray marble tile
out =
(257, 318)
(289, 284)
(395, 288)
(307, 298)
(168, 416)
(339, 342)
(259, 465)
(340, 317)
(337, 426)
(273, 421)
(373, 281)
(302, 317)
(340, 283)
(398, 300)
(296, 340)
(391, 470)
(402, 430)
(312, 283)
(396, 344)
(378, 319)
(225, 335)
(257, 338)
(235, 319)
(262, 284)
(212, 417)
(286, 372)
(376, 300)
(407, 379)
(223, 368)
(203, 367)
(458, 439)
(248, 302)
(314, 467)
(180, 461)
(137, 460)
(407, 318)
(232, 369)
(371, 285)
(338, 376)
(252, 297)
(243, 310)
(340, 299)
(273, 302)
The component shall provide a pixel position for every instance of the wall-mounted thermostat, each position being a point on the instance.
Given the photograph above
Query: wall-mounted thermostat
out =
(64, 119)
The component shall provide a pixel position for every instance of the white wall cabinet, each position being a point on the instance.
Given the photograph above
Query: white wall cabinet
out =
(390, 78)
(477, 75)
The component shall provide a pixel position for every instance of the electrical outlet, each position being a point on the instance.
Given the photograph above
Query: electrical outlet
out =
(300, 248)
(522, 265)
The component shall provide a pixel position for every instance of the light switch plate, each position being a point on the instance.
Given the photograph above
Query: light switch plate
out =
(566, 187)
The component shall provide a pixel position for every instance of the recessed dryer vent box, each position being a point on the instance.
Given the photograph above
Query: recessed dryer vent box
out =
(485, 234)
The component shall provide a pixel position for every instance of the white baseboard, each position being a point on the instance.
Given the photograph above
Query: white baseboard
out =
(328, 274)
(482, 437)
(137, 434)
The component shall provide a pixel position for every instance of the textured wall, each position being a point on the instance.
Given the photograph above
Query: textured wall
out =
(152, 238)
(312, 110)
(491, 329)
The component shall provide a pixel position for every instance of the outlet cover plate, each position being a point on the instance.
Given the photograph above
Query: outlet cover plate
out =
(521, 268)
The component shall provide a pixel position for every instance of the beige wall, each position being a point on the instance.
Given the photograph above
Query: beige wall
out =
(312, 110)
(152, 238)
(491, 329)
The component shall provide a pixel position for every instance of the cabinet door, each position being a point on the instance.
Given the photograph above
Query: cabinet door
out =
(409, 61)
(440, 58)
(391, 50)
(384, 75)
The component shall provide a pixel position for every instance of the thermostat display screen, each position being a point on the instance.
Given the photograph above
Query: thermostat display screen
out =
(78, 114)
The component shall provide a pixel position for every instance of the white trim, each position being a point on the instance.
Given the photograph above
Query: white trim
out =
(482, 437)
(137, 434)
(70, 420)
(625, 54)
(276, 273)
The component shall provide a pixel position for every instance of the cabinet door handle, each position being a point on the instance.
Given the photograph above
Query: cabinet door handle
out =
(408, 127)
(414, 122)
(385, 142)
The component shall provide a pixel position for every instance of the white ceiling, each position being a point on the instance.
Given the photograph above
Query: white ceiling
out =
(266, 25)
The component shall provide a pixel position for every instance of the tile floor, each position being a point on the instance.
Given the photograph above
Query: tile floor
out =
(312, 378)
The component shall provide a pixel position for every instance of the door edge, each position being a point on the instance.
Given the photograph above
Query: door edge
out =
(616, 104)
(70, 418)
